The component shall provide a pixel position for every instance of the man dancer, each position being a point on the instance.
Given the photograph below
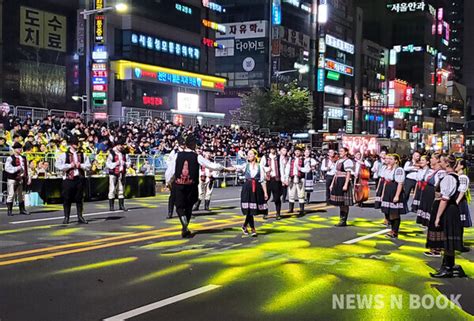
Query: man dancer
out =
(296, 173)
(117, 164)
(206, 184)
(284, 159)
(328, 167)
(16, 167)
(183, 175)
(273, 177)
(178, 148)
(73, 164)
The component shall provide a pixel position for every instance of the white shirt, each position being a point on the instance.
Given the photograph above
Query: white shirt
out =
(9, 168)
(437, 177)
(358, 164)
(296, 168)
(410, 170)
(422, 174)
(110, 164)
(272, 168)
(171, 169)
(328, 166)
(253, 170)
(62, 166)
(463, 183)
(396, 174)
(378, 168)
(347, 164)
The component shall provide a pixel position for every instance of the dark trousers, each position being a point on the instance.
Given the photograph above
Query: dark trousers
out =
(408, 186)
(73, 190)
(284, 193)
(171, 201)
(328, 185)
(185, 196)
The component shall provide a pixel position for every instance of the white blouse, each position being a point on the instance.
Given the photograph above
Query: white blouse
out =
(397, 174)
(463, 183)
(253, 170)
(422, 174)
(348, 165)
(438, 176)
(448, 187)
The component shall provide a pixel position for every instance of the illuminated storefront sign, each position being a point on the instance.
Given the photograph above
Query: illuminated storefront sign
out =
(276, 12)
(165, 46)
(152, 101)
(99, 67)
(183, 8)
(188, 102)
(128, 70)
(99, 87)
(99, 53)
(432, 51)
(212, 6)
(340, 68)
(408, 48)
(99, 26)
(211, 43)
(407, 6)
(333, 75)
(213, 25)
(244, 30)
(320, 80)
(339, 44)
(334, 90)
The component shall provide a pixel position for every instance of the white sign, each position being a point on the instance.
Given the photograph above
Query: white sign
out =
(188, 102)
(339, 44)
(407, 6)
(248, 64)
(244, 30)
(334, 90)
(228, 49)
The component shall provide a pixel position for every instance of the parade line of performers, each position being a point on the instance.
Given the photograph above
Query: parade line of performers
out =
(439, 184)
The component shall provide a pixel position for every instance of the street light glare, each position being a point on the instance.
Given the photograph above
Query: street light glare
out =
(323, 13)
(121, 7)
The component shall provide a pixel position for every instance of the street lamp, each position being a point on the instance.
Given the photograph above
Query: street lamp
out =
(83, 100)
(119, 7)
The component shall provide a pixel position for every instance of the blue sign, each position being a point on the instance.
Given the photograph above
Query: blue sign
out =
(179, 80)
(99, 80)
(320, 80)
(166, 46)
(276, 12)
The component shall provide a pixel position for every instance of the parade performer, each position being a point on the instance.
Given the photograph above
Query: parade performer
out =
(411, 168)
(206, 184)
(328, 168)
(117, 163)
(309, 176)
(445, 231)
(393, 200)
(183, 174)
(421, 182)
(362, 176)
(295, 171)
(284, 159)
(341, 186)
(274, 175)
(16, 168)
(378, 172)
(74, 164)
(254, 196)
(464, 197)
(171, 199)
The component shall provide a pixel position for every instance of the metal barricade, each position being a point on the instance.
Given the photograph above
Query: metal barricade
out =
(35, 113)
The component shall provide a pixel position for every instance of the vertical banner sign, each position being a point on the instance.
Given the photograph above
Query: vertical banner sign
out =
(99, 28)
(276, 12)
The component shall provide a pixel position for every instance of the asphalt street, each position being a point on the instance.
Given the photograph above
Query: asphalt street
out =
(134, 265)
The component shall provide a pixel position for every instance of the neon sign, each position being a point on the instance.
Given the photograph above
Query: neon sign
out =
(212, 6)
(213, 25)
(406, 7)
(165, 46)
(211, 43)
(184, 9)
(340, 68)
(339, 44)
(152, 101)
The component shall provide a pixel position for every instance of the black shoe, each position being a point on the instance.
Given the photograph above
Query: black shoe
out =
(10, 209)
(67, 213)
(80, 218)
(444, 272)
(278, 217)
(170, 215)
(207, 205)
(186, 234)
(458, 272)
(112, 205)
(122, 205)
(23, 210)
(342, 222)
(196, 206)
(301, 212)
(265, 216)
(465, 249)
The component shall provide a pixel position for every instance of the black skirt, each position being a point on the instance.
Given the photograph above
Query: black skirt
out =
(466, 219)
(393, 210)
(338, 196)
(416, 199)
(448, 235)
(423, 215)
(309, 182)
(252, 199)
(378, 194)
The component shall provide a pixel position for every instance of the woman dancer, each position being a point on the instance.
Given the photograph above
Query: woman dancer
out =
(420, 181)
(464, 197)
(445, 231)
(341, 186)
(309, 176)
(393, 201)
(253, 198)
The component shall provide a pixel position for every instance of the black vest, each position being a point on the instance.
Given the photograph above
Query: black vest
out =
(187, 169)
(16, 162)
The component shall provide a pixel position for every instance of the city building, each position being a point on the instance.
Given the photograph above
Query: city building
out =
(455, 18)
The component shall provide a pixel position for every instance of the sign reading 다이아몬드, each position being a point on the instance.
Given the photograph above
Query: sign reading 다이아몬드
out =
(42, 29)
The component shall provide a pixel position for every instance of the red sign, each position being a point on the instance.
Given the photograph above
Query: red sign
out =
(409, 97)
(149, 74)
(152, 101)
(99, 87)
(100, 115)
(99, 67)
(99, 73)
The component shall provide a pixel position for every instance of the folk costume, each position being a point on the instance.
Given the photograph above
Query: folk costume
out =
(16, 168)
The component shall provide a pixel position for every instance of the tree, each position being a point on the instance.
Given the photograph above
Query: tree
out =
(286, 109)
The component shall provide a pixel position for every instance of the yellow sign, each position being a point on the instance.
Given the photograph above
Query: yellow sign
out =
(42, 29)
(129, 70)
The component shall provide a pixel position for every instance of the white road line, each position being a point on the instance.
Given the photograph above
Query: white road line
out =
(162, 303)
(226, 200)
(368, 236)
(61, 217)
